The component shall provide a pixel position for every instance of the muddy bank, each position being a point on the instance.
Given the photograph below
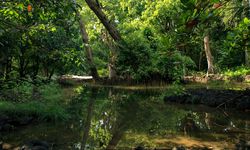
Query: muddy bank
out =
(214, 98)
(216, 77)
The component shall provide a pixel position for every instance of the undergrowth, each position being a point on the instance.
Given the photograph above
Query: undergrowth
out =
(41, 101)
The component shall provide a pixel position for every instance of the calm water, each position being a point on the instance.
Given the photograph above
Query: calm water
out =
(128, 118)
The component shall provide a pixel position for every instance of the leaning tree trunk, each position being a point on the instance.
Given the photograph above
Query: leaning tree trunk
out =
(88, 49)
(90, 111)
(210, 66)
(114, 33)
(105, 21)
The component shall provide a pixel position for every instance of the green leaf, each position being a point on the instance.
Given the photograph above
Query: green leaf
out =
(215, 1)
(20, 6)
(246, 21)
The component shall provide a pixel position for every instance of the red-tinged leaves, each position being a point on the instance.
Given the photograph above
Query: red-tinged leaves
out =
(217, 5)
(29, 8)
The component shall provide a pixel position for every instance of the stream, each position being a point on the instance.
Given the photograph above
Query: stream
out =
(136, 118)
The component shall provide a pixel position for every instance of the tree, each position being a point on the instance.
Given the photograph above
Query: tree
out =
(34, 41)
(210, 65)
(95, 7)
(88, 49)
(246, 14)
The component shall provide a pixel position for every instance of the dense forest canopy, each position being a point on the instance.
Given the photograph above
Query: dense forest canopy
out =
(134, 68)
(127, 39)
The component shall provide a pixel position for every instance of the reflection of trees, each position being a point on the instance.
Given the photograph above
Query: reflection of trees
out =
(116, 137)
(136, 112)
(208, 120)
(87, 124)
(119, 114)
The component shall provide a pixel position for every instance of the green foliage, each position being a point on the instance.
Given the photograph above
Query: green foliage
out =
(238, 73)
(38, 42)
(233, 54)
(174, 65)
(25, 99)
(98, 133)
(132, 112)
(135, 60)
(41, 111)
(162, 40)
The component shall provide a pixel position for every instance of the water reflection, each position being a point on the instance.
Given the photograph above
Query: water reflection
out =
(87, 124)
(107, 118)
(130, 119)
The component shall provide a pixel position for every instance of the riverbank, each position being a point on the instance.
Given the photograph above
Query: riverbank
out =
(198, 77)
(146, 124)
(24, 103)
(216, 77)
(219, 98)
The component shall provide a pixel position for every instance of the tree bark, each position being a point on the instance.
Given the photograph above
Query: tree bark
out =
(246, 54)
(105, 21)
(111, 67)
(114, 33)
(88, 49)
(210, 66)
(113, 55)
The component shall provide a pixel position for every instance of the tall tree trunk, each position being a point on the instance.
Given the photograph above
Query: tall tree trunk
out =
(113, 54)
(246, 13)
(111, 67)
(247, 54)
(210, 66)
(105, 21)
(88, 49)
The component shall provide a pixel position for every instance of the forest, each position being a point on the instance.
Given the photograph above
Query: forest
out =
(84, 67)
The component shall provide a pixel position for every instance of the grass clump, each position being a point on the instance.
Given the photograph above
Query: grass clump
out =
(43, 101)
